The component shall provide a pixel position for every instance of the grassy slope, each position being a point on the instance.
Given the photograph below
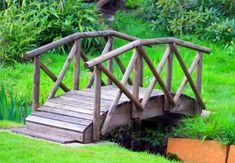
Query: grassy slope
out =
(16, 148)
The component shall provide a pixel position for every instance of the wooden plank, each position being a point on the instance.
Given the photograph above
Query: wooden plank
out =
(78, 136)
(76, 73)
(36, 83)
(56, 123)
(110, 62)
(68, 107)
(65, 112)
(63, 118)
(97, 99)
(78, 105)
(43, 135)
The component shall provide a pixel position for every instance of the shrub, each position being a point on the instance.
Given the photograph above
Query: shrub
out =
(11, 110)
(204, 17)
(132, 4)
(32, 24)
(219, 126)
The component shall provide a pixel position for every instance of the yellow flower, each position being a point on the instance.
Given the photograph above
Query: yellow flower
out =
(229, 30)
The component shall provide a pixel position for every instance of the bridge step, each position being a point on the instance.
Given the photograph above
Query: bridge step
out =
(43, 135)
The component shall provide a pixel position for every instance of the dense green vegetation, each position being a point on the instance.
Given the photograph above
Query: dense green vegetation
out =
(16, 148)
(31, 24)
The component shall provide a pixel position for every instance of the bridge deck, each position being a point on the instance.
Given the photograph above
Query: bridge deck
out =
(68, 117)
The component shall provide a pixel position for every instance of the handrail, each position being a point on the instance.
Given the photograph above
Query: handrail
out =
(106, 33)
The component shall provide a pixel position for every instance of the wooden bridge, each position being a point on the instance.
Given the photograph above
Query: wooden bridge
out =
(83, 115)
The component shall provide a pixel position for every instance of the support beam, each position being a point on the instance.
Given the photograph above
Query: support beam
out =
(36, 83)
(76, 73)
(97, 99)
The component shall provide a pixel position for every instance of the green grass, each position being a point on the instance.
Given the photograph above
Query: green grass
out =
(16, 148)
(9, 124)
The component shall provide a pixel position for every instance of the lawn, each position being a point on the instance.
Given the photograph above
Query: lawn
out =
(17, 148)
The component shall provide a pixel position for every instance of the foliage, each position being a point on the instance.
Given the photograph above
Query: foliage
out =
(213, 20)
(10, 110)
(219, 126)
(133, 4)
(33, 23)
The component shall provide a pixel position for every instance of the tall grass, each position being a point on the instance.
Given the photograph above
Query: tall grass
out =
(10, 109)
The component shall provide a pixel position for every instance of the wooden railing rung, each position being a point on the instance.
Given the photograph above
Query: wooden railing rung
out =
(123, 69)
(118, 94)
(184, 81)
(153, 81)
(53, 77)
(190, 80)
(199, 72)
(121, 87)
(63, 71)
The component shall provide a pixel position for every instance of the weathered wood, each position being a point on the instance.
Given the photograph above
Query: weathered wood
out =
(110, 62)
(97, 99)
(106, 49)
(136, 83)
(63, 71)
(199, 72)
(43, 135)
(36, 83)
(168, 78)
(66, 40)
(184, 81)
(112, 54)
(78, 136)
(120, 86)
(56, 123)
(123, 69)
(63, 118)
(118, 95)
(190, 80)
(156, 75)
(168, 40)
(53, 77)
(76, 73)
(101, 3)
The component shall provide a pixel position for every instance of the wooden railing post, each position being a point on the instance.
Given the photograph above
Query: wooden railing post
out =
(76, 73)
(168, 78)
(199, 72)
(136, 82)
(97, 99)
(110, 62)
(36, 83)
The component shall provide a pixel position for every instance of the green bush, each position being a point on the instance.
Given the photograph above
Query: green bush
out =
(212, 20)
(12, 110)
(219, 126)
(133, 4)
(32, 24)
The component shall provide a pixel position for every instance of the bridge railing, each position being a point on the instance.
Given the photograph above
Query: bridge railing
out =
(136, 65)
(77, 54)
